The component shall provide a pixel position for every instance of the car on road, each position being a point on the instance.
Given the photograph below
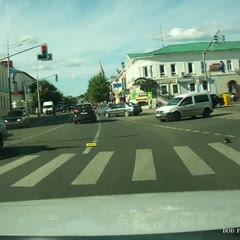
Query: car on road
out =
(186, 105)
(123, 109)
(3, 132)
(216, 100)
(17, 118)
(84, 112)
(100, 110)
(48, 108)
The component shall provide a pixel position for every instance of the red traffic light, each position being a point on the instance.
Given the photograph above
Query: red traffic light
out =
(44, 47)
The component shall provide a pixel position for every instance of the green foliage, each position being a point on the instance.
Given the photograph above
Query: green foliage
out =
(98, 89)
(48, 92)
(69, 100)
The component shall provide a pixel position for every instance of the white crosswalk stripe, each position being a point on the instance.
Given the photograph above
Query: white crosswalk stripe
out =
(144, 166)
(35, 177)
(7, 167)
(94, 169)
(193, 162)
(227, 151)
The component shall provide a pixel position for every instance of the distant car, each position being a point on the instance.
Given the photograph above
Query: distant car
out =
(216, 100)
(84, 112)
(3, 132)
(17, 118)
(100, 110)
(123, 109)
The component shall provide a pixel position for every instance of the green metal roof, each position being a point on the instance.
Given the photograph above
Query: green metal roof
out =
(135, 55)
(190, 48)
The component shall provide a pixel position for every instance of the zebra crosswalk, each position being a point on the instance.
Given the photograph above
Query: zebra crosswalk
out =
(144, 167)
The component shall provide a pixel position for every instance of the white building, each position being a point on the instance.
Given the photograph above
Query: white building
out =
(19, 82)
(179, 68)
(118, 86)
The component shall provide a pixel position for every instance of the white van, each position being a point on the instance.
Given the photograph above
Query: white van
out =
(186, 105)
(48, 108)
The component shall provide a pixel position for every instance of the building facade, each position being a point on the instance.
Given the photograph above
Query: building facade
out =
(19, 85)
(183, 68)
(4, 91)
(119, 92)
(21, 95)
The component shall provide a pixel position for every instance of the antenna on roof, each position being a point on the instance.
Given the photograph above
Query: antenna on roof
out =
(161, 36)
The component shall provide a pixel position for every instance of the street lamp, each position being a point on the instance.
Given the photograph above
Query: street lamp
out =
(8, 68)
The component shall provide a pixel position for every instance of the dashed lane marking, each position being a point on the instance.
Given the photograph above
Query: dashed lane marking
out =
(176, 128)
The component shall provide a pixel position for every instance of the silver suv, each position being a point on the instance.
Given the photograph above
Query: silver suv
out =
(17, 118)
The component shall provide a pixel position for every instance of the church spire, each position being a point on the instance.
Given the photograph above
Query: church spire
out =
(100, 70)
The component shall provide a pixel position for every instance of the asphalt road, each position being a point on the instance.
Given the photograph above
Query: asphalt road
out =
(137, 154)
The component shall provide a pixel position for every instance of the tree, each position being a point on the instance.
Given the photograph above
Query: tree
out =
(98, 89)
(48, 92)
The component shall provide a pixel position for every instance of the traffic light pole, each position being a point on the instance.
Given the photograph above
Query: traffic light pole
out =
(21, 52)
(204, 61)
(8, 69)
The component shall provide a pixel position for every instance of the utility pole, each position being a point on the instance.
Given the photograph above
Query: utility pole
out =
(8, 67)
(215, 37)
(8, 77)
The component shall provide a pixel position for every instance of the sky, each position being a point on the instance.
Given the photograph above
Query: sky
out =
(81, 33)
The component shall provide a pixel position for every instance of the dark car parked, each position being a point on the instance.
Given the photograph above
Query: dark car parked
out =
(84, 112)
(216, 100)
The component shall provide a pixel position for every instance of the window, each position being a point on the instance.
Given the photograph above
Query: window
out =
(201, 98)
(175, 88)
(192, 87)
(151, 71)
(4, 102)
(173, 69)
(162, 70)
(190, 68)
(164, 89)
(16, 86)
(145, 72)
(229, 65)
(186, 101)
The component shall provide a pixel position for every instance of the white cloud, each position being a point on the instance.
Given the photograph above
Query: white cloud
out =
(204, 32)
(79, 33)
(71, 62)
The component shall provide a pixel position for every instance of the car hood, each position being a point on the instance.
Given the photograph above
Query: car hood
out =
(13, 118)
(166, 108)
(122, 214)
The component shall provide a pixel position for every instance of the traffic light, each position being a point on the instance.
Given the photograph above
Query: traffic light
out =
(216, 38)
(223, 39)
(44, 51)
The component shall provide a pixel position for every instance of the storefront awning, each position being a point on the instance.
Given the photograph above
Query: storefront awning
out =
(146, 81)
